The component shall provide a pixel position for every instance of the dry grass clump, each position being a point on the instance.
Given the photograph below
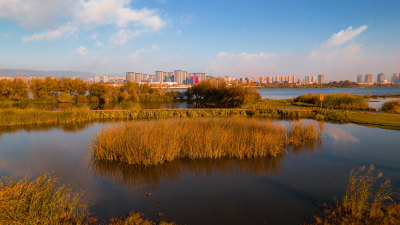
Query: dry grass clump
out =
(39, 201)
(391, 106)
(363, 203)
(156, 142)
(44, 200)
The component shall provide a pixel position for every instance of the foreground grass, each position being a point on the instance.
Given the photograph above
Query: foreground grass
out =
(44, 200)
(365, 202)
(155, 142)
(39, 201)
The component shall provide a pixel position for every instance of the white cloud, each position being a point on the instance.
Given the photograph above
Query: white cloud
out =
(36, 13)
(51, 34)
(99, 44)
(82, 50)
(187, 19)
(87, 14)
(124, 36)
(344, 36)
(136, 55)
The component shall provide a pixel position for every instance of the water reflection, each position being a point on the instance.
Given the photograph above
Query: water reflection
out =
(205, 168)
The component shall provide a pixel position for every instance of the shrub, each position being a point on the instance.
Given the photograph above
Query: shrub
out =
(391, 106)
(206, 94)
(64, 98)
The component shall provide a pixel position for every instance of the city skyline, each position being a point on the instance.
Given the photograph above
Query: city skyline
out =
(220, 38)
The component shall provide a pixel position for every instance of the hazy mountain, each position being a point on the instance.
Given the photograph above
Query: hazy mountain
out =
(16, 72)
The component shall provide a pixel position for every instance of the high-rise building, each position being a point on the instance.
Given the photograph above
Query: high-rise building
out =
(396, 78)
(159, 76)
(368, 79)
(269, 80)
(138, 77)
(321, 78)
(130, 77)
(105, 79)
(359, 78)
(180, 76)
(202, 77)
(380, 78)
(97, 79)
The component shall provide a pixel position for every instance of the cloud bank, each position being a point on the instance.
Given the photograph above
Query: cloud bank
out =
(65, 17)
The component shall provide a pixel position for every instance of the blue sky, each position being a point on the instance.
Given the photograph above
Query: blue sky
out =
(238, 38)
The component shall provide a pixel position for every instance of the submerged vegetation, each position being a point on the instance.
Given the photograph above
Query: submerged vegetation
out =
(391, 106)
(365, 202)
(334, 101)
(155, 142)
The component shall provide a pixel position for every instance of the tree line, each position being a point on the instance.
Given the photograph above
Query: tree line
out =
(77, 90)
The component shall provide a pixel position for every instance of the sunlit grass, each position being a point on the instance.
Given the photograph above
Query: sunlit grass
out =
(39, 201)
(44, 200)
(392, 106)
(365, 202)
(156, 142)
(334, 101)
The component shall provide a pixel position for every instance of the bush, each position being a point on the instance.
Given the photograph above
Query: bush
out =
(64, 98)
(391, 106)
(206, 94)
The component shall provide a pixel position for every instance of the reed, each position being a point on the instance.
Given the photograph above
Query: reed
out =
(39, 201)
(44, 200)
(391, 106)
(335, 101)
(155, 142)
(365, 202)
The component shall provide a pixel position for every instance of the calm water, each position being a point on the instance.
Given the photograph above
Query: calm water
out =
(285, 93)
(285, 190)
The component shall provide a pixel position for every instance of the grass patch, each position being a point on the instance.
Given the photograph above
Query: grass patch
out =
(374, 119)
(334, 101)
(365, 202)
(44, 200)
(391, 106)
(155, 142)
(39, 201)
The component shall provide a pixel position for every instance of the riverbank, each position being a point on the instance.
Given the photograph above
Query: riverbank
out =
(18, 117)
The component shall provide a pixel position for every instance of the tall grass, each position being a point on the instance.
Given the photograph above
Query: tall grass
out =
(335, 101)
(391, 106)
(39, 201)
(44, 200)
(365, 202)
(155, 142)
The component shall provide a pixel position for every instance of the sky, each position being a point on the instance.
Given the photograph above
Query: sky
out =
(220, 37)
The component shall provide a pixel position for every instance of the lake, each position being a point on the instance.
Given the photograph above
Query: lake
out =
(284, 190)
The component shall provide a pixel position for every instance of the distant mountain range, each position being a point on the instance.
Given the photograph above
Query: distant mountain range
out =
(17, 72)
